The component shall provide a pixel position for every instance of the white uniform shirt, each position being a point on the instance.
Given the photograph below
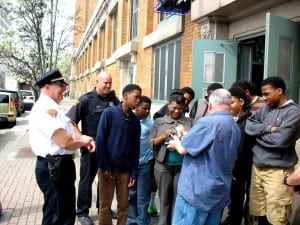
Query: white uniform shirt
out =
(45, 118)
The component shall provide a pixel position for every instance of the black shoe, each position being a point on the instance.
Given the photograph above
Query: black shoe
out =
(114, 215)
(85, 220)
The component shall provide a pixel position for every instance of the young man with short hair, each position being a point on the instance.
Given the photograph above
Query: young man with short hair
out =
(276, 127)
(117, 148)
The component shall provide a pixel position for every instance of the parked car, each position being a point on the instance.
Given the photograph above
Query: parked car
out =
(28, 98)
(18, 100)
(8, 112)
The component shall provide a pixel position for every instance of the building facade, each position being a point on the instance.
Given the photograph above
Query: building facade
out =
(217, 41)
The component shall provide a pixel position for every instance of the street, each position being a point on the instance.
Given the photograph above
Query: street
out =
(21, 198)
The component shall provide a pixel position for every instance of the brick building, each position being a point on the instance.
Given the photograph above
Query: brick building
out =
(122, 38)
(217, 41)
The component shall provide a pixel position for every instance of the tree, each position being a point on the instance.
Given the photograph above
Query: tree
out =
(38, 39)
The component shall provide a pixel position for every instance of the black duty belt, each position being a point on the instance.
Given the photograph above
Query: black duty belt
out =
(40, 158)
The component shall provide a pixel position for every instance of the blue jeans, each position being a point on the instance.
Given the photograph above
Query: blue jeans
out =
(185, 214)
(139, 197)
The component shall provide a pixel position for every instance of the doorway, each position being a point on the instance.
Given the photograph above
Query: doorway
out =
(251, 53)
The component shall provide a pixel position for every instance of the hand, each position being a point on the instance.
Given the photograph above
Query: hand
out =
(131, 182)
(169, 133)
(273, 129)
(89, 143)
(92, 146)
(173, 143)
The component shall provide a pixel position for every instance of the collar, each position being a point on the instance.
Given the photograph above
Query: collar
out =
(169, 120)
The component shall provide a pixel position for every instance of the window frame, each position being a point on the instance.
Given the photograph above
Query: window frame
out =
(134, 19)
(114, 24)
(166, 75)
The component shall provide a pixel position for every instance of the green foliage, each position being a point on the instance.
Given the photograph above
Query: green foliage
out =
(36, 39)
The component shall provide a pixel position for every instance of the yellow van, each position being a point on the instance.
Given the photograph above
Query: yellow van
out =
(8, 111)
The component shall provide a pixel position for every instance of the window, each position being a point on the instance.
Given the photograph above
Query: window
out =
(166, 69)
(95, 47)
(214, 67)
(4, 98)
(285, 58)
(102, 47)
(134, 19)
(114, 18)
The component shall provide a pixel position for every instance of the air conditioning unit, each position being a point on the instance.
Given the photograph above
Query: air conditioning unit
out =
(179, 7)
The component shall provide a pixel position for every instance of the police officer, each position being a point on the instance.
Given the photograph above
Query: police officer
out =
(88, 111)
(53, 138)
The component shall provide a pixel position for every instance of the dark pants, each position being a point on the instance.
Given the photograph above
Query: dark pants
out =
(88, 171)
(153, 186)
(236, 207)
(239, 206)
(59, 196)
(167, 179)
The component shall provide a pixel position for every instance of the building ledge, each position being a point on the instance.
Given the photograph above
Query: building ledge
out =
(166, 29)
(99, 65)
(231, 10)
(126, 50)
(110, 61)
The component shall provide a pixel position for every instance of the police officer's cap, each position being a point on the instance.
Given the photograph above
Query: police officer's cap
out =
(51, 77)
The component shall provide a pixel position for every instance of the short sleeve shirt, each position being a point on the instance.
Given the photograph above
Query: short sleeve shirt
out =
(45, 118)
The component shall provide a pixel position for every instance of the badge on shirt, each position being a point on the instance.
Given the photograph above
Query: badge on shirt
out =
(111, 104)
(52, 112)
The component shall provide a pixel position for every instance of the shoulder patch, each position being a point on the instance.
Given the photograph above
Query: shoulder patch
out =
(52, 112)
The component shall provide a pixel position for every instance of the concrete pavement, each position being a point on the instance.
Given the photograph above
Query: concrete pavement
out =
(21, 198)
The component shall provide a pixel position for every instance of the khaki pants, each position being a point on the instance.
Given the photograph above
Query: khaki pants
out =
(119, 182)
(269, 196)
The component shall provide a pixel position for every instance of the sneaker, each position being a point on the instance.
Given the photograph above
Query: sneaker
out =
(152, 210)
(85, 220)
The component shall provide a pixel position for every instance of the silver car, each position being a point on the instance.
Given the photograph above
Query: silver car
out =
(28, 98)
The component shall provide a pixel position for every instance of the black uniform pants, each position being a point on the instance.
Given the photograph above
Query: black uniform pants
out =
(59, 196)
(88, 171)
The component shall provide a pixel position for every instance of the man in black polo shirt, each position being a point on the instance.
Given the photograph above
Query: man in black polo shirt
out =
(88, 110)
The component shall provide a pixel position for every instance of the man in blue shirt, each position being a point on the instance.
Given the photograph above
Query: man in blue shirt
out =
(210, 149)
(118, 147)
